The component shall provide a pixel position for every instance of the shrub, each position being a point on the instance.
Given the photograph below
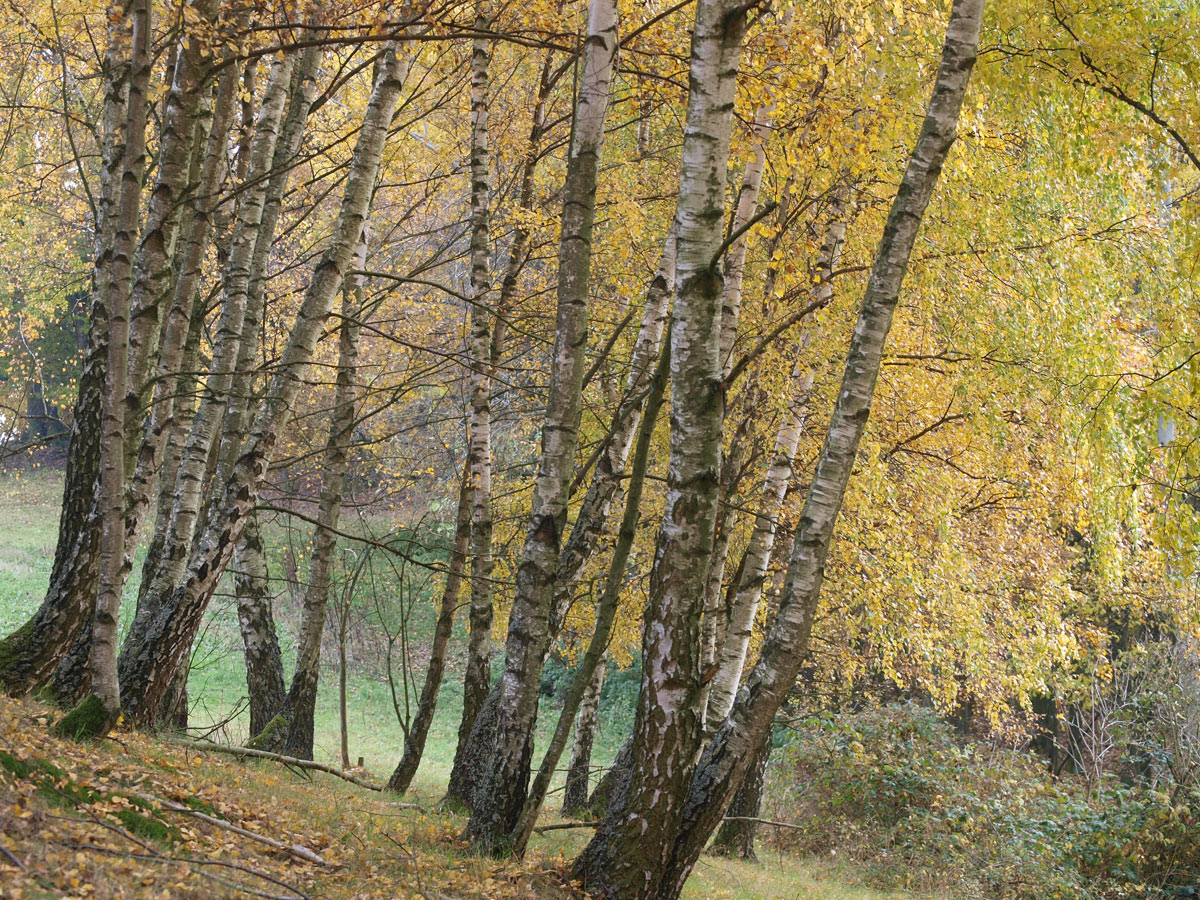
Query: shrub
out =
(896, 790)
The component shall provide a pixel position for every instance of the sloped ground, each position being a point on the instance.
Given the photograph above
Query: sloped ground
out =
(134, 817)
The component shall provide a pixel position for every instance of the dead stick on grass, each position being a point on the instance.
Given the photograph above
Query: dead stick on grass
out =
(277, 757)
(563, 826)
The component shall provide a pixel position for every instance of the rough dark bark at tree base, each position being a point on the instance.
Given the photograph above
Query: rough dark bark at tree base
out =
(260, 643)
(472, 756)
(736, 838)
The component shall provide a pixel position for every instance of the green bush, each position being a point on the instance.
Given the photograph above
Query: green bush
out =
(895, 789)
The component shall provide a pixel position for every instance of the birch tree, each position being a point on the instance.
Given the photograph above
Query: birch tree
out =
(620, 860)
(503, 790)
(158, 640)
(706, 791)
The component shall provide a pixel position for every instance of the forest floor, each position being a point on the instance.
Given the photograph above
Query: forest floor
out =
(134, 816)
(119, 818)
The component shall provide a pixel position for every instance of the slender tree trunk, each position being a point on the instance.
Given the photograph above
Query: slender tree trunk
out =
(260, 641)
(499, 802)
(183, 107)
(729, 755)
(343, 711)
(615, 449)
(579, 768)
(713, 618)
(606, 611)
(158, 640)
(478, 676)
(97, 713)
(302, 696)
(627, 853)
(418, 731)
(732, 654)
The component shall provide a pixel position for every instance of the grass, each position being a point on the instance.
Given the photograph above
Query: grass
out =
(29, 502)
(379, 843)
(103, 821)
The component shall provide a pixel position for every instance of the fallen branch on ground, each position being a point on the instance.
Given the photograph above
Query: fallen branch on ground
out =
(277, 757)
(295, 849)
(563, 826)
(761, 821)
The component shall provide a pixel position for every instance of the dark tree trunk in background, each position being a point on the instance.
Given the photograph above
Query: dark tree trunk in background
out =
(736, 838)
(418, 730)
(260, 641)
(302, 696)
(579, 769)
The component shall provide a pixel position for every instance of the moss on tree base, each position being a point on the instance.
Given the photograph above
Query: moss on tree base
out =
(87, 720)
(270, 737)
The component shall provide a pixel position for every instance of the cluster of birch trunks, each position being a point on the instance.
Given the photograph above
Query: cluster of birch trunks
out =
(173, 446)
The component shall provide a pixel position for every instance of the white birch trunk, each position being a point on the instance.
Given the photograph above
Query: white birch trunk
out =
(502, 796)
(727, 758)
(157, 641)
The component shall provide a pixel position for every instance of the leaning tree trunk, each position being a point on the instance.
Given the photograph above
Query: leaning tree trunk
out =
(260, 641)
(287, 148)
(29, 655)
(416, 732)
(729, 755)
(606, 611)
(732, 656)
(98, 712)
(158, 640)
(193, 468)
(302, 696)
(627, 852)
(499, 802)
(579, 768)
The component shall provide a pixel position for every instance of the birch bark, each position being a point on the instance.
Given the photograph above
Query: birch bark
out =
(105, 686)
(158, 640)
(499, 802)
(620, 861)
(29, 654)
(729, 755)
